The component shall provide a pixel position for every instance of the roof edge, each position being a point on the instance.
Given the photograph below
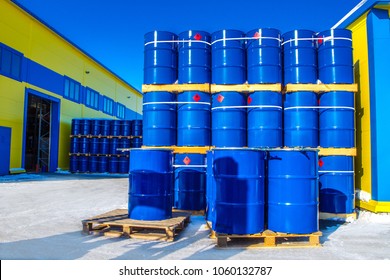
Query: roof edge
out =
(24, 8)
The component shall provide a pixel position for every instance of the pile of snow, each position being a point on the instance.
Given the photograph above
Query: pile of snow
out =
(379, 218)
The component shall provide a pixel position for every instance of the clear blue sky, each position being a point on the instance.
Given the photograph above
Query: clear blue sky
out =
(112, 31)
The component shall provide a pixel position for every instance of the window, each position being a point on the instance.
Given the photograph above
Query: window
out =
(108, 105)
(72, 90)
(120, 111)
(10, 62)
(92, 99)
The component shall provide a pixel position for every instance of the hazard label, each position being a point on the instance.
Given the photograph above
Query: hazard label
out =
(220, 98)
(257, 35)
(196, 97)
(249, 100)
(197, 36)
(321, 163)
(187, 160)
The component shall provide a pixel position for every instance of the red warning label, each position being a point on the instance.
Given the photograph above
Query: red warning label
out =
(197, 36)
(186, 160)
(320, 40)
(220, 98)
(257, 35)
(318, 102)
(321, 163)
(196, 97)
(249, 100)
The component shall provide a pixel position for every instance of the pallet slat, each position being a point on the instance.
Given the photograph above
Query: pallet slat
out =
(246, 87)
(176, 87)
(182, 149)
(116, 223)
(337, 152)
(321, 87)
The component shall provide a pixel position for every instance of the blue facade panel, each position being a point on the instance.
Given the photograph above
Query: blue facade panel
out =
(5, 149)
(378, 33)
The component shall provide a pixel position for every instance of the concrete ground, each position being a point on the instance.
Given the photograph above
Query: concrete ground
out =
(40, 217)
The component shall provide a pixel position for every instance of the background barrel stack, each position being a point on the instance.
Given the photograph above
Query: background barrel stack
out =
(96, 145)
(274, 114)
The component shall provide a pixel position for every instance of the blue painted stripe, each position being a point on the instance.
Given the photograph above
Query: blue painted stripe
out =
(378, 35)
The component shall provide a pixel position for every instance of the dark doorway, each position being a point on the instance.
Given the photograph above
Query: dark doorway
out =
(37, 149)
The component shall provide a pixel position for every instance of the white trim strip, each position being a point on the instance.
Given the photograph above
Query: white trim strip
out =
(243, 107)
(334, 171)
(320, 107)
(195, 165)
(176, 102)
(178, 41)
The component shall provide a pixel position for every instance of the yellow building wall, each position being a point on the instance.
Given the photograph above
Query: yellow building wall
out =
(362, 100)
(24, 33)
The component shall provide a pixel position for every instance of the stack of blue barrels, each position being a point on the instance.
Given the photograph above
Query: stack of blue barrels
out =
(336, 121)
(96, 145)
(248, 182)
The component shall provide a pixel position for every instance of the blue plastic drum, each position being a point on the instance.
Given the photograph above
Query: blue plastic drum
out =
(300, 57)
(74, 145)
(73, 164)
(293, 191)
(160, 58)
(105, 129)
(194, 50)
(265, 119)
(136, 142)
(193, 119)
(126, 128)
(151, 184)
(85, 127)
(136, 127)
(83, 164)
(84, 145)
(335, 62)
(337, 119)
(123, 167)
(96, 126)
(337, 193)
(228, 119)
(301, 119)
(190, 182)
(238, 176)
(94, 146)
(228, 57)
(113, 164)
(102, 164)
(76, 127)
(104, 146)
(114, 145)
(264, 57)
(116, 126)
(159, 119)
(93, 164)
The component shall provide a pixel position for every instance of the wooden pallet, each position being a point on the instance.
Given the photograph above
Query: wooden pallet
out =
(79, 136)
(191, 212)
(79, 154)
(337, 152)
(269, 239)
(246, 87)
(321, 87)
(340, 216)
(175, 88)
(182, 149)
(116, 224)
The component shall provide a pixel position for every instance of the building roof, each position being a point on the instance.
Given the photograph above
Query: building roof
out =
(357, 11)
(72, 43)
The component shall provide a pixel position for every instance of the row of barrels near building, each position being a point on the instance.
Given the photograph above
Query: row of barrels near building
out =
(96, 144)
(243, 190)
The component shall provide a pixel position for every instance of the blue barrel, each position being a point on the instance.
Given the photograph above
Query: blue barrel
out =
(102, 164)
(83, 164)
(96, 126)
(300, 57)
(85, 126)
(151, 184)
(160, 58)
(114, 145)
(239, 176)
(228, 57)
(123, 167)
(228, 121)
(136, 127)
(93, 164)
(104, 146)
(337, 119)
(94, 147)
(126, 128)
(193, 119)
(84, 145)
(116, 126)
(337, 194)
(113, 164)
(335, 62)
(194, 51)
(73, 164)
(124, 143)
(74, 145)
(190, 182)
(210, 188)
(293, 191)
(264, 57)
(105, 128)
(301, 119)
(159, 120)
(76, 127)
(265, 119)
(136, 142)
